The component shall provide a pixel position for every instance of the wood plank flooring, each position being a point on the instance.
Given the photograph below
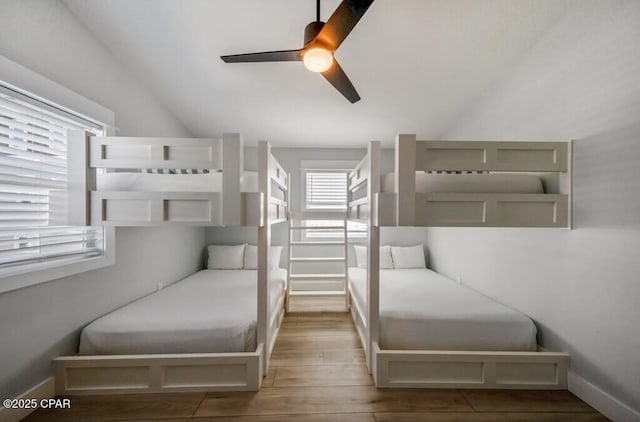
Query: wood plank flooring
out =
(318, 374)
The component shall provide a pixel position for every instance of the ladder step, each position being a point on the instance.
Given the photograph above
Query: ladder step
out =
(317, 243)
(317, 276)
(319, 215)
(316, 293)
(317, 259)
(316, 228)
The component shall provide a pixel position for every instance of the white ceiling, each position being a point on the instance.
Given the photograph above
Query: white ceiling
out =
(417, 64)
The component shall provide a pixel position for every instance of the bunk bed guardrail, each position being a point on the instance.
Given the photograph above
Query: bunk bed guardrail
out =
(93, 159)
(550, 160)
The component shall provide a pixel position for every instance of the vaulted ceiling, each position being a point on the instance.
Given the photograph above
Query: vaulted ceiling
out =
(417, 64)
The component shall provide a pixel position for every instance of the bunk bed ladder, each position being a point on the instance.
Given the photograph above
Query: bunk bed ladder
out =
(313, 251)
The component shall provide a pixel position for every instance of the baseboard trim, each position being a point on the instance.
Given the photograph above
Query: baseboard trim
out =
(45, 390)
(603, 402)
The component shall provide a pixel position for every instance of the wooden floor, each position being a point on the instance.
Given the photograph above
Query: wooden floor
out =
(318, 374)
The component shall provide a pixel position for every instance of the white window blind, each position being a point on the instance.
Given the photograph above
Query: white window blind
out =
(326, 190)
(33, 184)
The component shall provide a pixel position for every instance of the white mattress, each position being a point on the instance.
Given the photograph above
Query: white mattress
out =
(470, 183)
(211, 311)
(145, 182)
(422, 310)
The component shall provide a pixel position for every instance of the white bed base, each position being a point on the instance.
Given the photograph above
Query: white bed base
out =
(163, 373)
(431, 368)
(462, 369)
(125, 374)
(90, 158)
(122, 374)
(405, 207)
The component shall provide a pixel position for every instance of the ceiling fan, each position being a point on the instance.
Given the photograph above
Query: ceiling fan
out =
(321, 40)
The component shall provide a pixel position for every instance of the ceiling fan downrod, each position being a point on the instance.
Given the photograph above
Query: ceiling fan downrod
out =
(312, 30)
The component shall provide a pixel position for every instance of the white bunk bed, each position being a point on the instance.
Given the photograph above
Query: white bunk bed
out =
(199, 371)
(477, 184)
(423, 368)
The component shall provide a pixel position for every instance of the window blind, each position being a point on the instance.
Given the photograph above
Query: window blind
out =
(326, 190)
(33, 184)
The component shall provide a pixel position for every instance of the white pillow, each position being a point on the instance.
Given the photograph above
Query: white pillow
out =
(386, 262)
(361, 256)
(408, 256)
(226, 257)
(386, 258)
(251, 257)
(274, 262)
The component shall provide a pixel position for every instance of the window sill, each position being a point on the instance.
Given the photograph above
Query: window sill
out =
(30, 275)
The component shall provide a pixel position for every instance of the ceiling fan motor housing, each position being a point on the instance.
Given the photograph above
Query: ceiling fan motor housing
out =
(311, 31)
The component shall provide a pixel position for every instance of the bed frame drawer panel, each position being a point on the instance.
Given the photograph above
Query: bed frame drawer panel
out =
(114, 209)
(469, 369)
(107, 378)
(439, 158)
(190, 153)
(450, 210)
(492, 156)
(124, 374)
(124, 208)
(435, 372)
(110, 152)
(188, 210)
(491, 210)
(525, 213)
(213, 375)
(514, 373)
(152, 153)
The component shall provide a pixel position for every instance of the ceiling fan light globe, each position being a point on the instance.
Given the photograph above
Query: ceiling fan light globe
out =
(317, 59)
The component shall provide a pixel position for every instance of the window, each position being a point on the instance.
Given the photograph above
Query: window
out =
(326, 190)
(33, 187)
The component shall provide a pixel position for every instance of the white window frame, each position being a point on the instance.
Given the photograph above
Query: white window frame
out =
(24, 81)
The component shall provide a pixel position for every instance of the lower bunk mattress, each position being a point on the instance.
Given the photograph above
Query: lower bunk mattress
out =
(422, 310)
(211, 311)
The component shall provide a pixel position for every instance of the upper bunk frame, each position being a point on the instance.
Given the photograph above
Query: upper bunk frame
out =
(431, 368)
(159, 373)
(93, 157)
(550, 160)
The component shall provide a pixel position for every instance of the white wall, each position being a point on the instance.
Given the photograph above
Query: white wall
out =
(43, 321)
(580, 81)
(44, 36)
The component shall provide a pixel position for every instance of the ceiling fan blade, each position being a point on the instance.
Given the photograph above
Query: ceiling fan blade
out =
(266, 56)
(340, 24)
(336, 77)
